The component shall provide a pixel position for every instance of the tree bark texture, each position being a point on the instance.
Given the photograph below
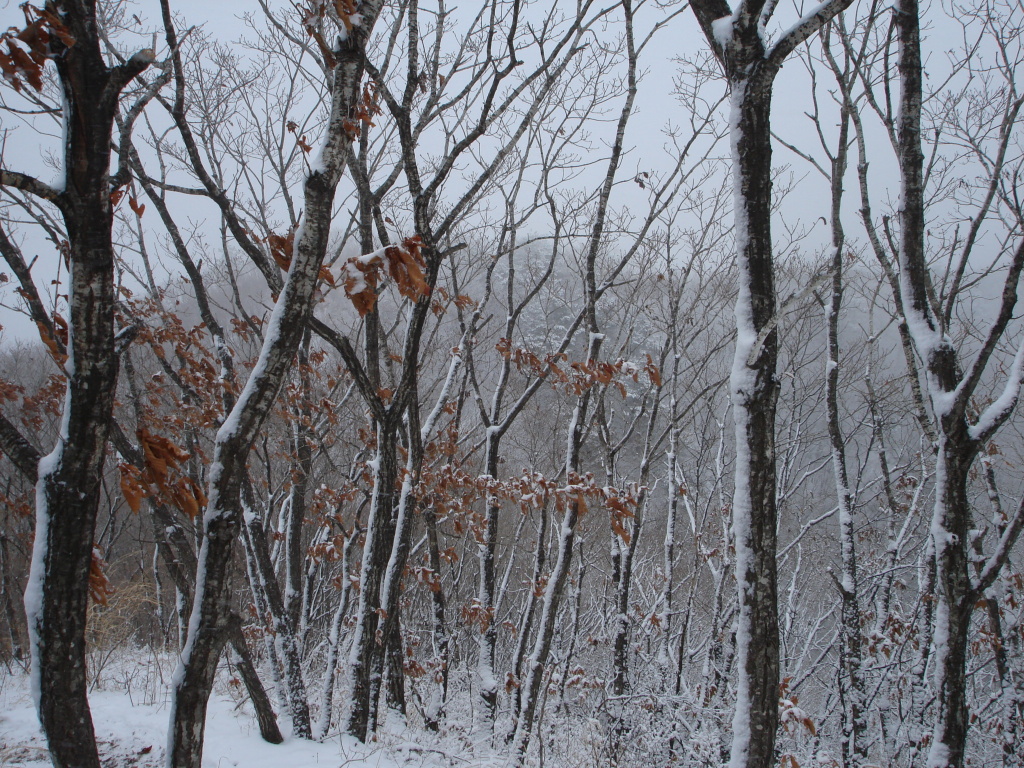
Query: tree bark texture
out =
(69, 479)
(737, 40)
(367, 644)
(754, 395)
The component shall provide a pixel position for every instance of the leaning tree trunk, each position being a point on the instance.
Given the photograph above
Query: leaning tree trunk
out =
(193, 678)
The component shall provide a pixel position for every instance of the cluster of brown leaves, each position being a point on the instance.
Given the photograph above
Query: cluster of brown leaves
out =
(282, 247)
(426, 576)
(327, 501)
(622, 504)
(439, 305)
(117, 195)
(474, 614)
(60, 327)
(330, 551)
(310, 397)
(791, 715)
(363, 112)
(44, 404)
(455, 493)
(312, 15)
(304, 145)
(24, 52)
(404, 264)
(100, 587)
(896, 632)
(9, 391)
(577, 377)
(20, 504)
(162, 478)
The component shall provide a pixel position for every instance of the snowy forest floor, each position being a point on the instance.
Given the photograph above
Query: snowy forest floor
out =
(130, 710)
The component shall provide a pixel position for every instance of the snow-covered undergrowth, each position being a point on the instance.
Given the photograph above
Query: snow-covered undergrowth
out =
(578, 728)
(130, 710)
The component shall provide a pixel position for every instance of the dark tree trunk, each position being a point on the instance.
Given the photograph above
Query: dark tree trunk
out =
(755, 391)
(8, 588)
(260, 701)
(957, 596)
(69, 479)
(211, 613)
(302, 467)
(395, 691)
(952, 390)
(750, 67)
(377, 551)
(488, 552)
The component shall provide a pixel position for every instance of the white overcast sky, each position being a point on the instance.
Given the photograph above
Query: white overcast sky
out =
(656, 106)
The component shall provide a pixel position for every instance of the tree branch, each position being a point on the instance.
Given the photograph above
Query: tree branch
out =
(32, 185)
(351, 360)
(124, 73)
(16, 261)
(966, 388)
(1002, 554)
(707, 12)
(803, 29)
(19, 450)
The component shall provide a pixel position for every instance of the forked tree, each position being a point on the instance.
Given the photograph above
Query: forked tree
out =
(953, 377)
(738, 38)
(68, 479)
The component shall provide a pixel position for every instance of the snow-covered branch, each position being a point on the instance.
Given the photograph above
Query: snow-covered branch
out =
(803, 29)
(990, 572)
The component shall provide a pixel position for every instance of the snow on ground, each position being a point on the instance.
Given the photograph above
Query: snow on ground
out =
(130, 712)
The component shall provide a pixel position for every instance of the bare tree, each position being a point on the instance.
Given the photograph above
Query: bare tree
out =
(738, 40)
(224, 512)
(954, 376)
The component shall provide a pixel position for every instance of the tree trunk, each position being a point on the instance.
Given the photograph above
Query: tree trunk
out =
(754, 395)
(750, 65)
(257, 694)
(487, 552)
(70, 477)
(851, 683)
(302, 467)
(956, 600)
(284, 630)
(380, 536)
(440, 630)
(292, 312)
(334, 636)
